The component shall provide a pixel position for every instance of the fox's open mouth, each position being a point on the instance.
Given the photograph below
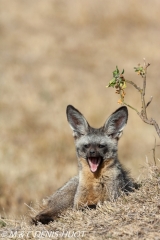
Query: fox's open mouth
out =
(94, 162)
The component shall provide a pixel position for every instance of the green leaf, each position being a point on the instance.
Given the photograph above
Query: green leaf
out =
(117, 70)
(112, 83)
(114, 73)
(113, 80)
(137, 69)
(122, 72)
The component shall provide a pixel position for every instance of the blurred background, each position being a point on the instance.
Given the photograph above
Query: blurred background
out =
(57, 52)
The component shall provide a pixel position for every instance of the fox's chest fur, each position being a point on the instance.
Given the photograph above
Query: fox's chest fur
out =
(96, 187)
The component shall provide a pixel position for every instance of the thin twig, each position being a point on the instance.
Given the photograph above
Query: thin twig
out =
(134, 85)
(156, 126)
(32, 209)
(144, 113)
(154, 152)
(150, 122)
(149, 102)
(131, 107)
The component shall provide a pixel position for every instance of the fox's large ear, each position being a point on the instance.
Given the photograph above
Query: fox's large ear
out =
(77, 121)
(116, 122)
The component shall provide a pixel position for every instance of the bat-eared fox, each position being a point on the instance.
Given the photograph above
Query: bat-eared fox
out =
(101, 176)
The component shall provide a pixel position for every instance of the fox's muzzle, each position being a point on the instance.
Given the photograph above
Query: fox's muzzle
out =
(92, 152)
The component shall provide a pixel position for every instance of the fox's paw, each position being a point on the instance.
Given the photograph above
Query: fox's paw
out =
(43, 217)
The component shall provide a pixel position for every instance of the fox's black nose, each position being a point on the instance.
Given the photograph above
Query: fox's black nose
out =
(92, 152)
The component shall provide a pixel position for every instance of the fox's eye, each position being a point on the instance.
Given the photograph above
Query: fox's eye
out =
(101, 146)
(110, 135)
(86, 145)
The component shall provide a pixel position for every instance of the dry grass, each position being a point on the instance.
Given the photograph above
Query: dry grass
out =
(55, 53)
(136, 216)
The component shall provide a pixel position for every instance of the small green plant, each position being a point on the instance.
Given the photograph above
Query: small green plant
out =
(120, 83)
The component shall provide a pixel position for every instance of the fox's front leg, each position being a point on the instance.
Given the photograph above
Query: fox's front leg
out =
(86, 196)
(79, 200)
(62, 199)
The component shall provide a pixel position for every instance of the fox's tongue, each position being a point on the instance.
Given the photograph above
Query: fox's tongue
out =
(94, 163)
